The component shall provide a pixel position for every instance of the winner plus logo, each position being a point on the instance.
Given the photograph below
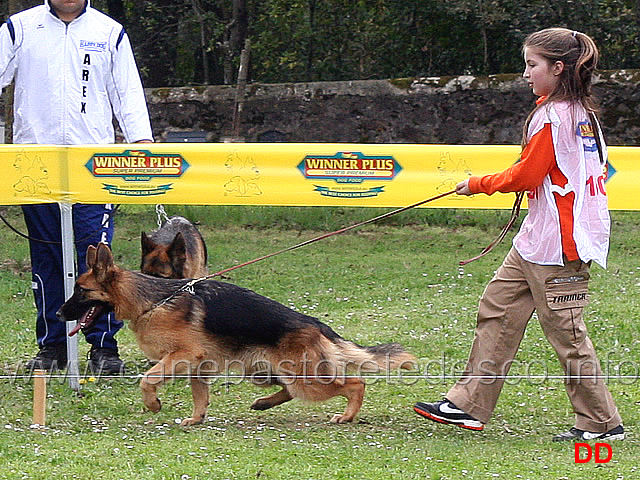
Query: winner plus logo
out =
(349, 170)
(137, 168)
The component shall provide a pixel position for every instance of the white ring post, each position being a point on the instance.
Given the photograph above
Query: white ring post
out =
(68, 265)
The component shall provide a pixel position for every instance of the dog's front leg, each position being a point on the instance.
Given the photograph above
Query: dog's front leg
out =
(200, 392)
(180, 363)
(151, 380)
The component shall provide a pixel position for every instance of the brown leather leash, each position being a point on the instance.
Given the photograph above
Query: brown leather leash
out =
(330, 234)
(189, 285)
(515, 211)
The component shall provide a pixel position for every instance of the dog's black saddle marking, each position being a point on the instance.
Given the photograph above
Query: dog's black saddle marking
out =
(249, 317)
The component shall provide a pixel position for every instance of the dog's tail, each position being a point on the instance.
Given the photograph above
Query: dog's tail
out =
(385, 357)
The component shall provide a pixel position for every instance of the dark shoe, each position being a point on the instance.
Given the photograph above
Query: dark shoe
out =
(446, 412)
(50, 357)
(104, 361)
(575, 434)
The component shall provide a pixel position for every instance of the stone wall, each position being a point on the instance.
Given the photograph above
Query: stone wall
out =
(450, 110)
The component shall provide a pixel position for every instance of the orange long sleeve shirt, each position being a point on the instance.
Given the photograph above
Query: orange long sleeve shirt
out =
(538, 159)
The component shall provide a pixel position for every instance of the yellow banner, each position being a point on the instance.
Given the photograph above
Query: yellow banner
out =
(273, 174)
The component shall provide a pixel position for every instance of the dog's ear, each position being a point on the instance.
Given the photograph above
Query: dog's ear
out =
(178, 246)
(103, 265)
(91, 257)
(146, 243)
(177, 252)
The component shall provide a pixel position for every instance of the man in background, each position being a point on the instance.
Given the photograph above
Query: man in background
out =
(73, 69)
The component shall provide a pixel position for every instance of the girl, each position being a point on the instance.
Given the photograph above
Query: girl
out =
(562, 169)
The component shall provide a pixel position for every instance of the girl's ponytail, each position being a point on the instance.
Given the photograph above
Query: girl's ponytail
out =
(585, 65)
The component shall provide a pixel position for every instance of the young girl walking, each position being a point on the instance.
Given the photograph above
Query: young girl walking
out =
(562, 168)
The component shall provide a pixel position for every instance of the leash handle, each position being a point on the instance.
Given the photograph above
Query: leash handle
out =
(330, 234)
(515, 211)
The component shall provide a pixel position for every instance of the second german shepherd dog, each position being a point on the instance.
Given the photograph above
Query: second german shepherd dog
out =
(175, 250)
(213, 327)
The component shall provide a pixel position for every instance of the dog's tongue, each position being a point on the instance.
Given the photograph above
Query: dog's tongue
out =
(84, 321)
(75, 330)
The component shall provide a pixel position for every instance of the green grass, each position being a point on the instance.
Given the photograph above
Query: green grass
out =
(399, 281)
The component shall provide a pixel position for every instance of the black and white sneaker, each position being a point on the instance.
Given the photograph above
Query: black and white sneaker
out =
(446, 412)
(575, 434)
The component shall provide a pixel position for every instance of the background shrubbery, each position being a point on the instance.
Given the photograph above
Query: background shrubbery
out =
(199, 41)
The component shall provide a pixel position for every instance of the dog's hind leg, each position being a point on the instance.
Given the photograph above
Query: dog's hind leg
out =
(272, 400)
(350, 388)
(353, 390)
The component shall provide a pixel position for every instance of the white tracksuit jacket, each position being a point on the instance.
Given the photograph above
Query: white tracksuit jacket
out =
(71, 78)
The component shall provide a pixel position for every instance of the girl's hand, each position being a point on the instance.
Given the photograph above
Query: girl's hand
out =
(463, 188)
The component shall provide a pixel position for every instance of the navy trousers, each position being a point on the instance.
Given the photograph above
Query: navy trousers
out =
(91, 224)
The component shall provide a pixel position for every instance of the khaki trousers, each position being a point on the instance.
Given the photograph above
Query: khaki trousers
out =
(558, 295)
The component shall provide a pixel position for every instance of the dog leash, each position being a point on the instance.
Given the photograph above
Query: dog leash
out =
(327, 235)
(162, 215)
(188, 287)
(515, 211)
(30, 238)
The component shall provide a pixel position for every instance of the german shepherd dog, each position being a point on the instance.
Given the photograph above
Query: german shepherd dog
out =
(175, 250)
(207, 327)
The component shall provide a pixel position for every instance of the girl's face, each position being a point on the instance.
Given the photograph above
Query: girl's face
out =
(542, 75)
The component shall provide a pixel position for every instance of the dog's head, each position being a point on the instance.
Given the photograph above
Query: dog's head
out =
(163, 261)
(91, 297)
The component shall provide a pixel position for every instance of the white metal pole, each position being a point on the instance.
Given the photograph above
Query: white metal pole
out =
(69, 267)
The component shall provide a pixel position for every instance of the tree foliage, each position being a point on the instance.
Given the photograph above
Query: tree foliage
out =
(199, 41)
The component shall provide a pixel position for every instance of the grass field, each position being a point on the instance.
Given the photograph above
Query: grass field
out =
(398, 281)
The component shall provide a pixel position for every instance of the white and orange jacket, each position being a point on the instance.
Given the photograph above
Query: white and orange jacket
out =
(70, 79)
(561, 170)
